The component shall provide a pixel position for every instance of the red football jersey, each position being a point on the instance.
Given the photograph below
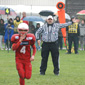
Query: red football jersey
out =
(22, 49)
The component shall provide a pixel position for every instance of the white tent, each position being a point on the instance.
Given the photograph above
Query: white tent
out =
(31, 10)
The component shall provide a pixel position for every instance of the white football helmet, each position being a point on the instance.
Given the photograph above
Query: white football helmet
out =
(23, 28)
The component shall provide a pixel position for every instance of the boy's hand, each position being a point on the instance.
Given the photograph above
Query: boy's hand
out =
(38, 42)
(32, 58)
(22, 37)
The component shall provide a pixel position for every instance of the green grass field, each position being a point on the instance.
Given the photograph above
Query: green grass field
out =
(72, 70)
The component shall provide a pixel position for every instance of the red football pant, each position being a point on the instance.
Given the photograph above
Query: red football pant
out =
(24, 71)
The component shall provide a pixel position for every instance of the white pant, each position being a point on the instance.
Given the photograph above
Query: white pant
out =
(1, 41)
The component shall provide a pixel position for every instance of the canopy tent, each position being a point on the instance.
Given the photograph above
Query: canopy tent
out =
(31, 9)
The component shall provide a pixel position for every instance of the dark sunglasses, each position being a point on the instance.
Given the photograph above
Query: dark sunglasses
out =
(22, 30)
(49, 19)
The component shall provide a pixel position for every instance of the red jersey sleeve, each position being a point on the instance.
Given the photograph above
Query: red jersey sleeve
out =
(34, 50)
(15, 44)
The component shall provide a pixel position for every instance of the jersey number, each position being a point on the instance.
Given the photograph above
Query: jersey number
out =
(23, 50)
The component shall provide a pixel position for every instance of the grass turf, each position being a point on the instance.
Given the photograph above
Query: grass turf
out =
(72, 70)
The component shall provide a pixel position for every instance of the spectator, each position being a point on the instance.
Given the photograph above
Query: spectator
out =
(23, 16)
(50, 43)
(73, 33)
(2, 31)
(60, 39)
(37, 44)
(32, 29)
(78, 21)
(37, 26)
(9, 31)
(82, 35)
(17, 21)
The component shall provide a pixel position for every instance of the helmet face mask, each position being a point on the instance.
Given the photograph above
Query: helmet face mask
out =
(21, 31)
(23, 28)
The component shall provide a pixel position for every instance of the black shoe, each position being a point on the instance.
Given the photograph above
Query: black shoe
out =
(56, 73)
(42, 73)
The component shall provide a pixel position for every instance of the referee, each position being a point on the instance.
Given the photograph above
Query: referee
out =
(49, 33)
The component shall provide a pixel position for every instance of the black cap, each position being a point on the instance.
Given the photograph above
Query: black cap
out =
(73, 17)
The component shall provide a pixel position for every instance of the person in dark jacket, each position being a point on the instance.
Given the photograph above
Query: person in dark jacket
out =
(73, 34)
(9, 31)
(1, 32)
(32, 27)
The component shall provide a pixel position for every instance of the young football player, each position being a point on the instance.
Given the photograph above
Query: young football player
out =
(21, 45)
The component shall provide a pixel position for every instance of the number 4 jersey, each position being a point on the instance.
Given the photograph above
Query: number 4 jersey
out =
(22, 49)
